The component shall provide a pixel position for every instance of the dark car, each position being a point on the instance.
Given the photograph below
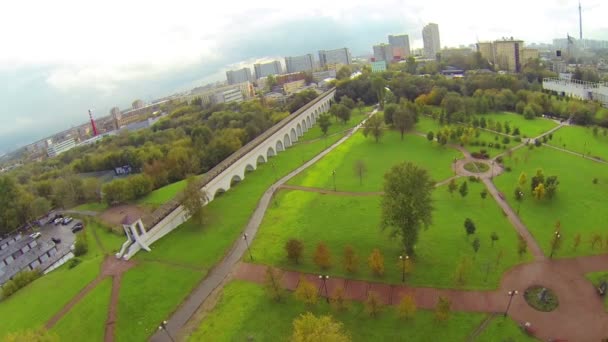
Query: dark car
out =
(56, 240)
(77, 227)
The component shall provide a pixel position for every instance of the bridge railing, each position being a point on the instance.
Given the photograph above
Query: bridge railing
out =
(152, 219)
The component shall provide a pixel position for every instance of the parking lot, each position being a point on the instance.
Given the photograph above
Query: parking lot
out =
(59, 231)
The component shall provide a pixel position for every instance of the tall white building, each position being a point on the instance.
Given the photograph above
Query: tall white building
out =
(400, 45)
(239, 76)
(267, 69)
(430, 38)
(331, 58)
(299, 63)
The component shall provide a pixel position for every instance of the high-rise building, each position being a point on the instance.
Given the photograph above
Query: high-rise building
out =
(486, 49)
(239, 76)
(528, 54)
(299, 63)
(400, 45)
(383, 52)
(430, 38)
(332, 58)
(267, 69)
(505, 54)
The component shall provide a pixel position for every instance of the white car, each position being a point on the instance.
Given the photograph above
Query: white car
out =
(67, 220)
(35, 235)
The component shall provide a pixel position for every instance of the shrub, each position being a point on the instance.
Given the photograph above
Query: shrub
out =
(508, 169)
(19, 281)
(81, 246)
(73, 262)
(506, 140)
(517, 139)
(537, 142)
(294, 248)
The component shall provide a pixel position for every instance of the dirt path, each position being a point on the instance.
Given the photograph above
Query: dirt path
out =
(75, 300)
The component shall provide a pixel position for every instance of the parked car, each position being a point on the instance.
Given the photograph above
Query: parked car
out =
(67, 220)
(35, 235)
(56, 240)
(77, 227)
(58, 220)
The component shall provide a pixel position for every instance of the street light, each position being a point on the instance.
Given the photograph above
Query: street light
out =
(521, 199)
(324, 278)
(163, 326)
(403, 261)
(511, 294)
(554, 243)
(333, 173)
(247, 243)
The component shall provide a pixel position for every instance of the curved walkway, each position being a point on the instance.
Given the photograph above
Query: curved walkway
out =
(219, 272)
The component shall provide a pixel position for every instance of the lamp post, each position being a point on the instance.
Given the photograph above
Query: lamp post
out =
(163, 326)
(333, 173)
(324, 278)
(511, 294)
(403, 261)
(554, 243)
(247, 243)
(521, 199)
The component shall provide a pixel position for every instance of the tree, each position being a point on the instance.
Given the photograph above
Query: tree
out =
(539, 191)
(596, 240)
(81, 247)
(360, 169)
(338, 301)
(556, 242)
(475, 244)
(462, 271)
(522, 180)
(494, 238)
(430, 136)
(348, 102)
(389, 112)
(522, 246)
(483, 194)
(469, 227)
(464, 189)
(322, 257)
(378, 87)
(407, 307)
(310, 328)
(452, 186)
(343, 72)
(519, 197)
(193, 200)
(360, 106)
(324, 123)
(351, 262)
(373, 305)
(272, 284)
(577, 240)
(443, 308)
(294, 249)
(341, 112)
(373, 126)
(539, 178)
(38, 335)
(306, 292)
(376, 262)
(407, 203)
(403, 119)
(551, 184)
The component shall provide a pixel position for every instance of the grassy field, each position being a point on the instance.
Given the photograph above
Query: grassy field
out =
(595, 278)
(337, 127)
(578, 204)
(87, 320)
(341, 220)
(162, 195)
(378, 158)
(527, 128)
(111, 242)
(503, 329)
(245, 312)
(581, 139)
(99, 207)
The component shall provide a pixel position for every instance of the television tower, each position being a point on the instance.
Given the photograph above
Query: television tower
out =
(580, 22)
(93, 123)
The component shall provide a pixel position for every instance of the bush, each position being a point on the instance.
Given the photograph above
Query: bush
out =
(508, 169)
(537, 142)
(19, 281)
(517, 139)
(499, 160)
(506, 140)
(80, 246)
(73, 262)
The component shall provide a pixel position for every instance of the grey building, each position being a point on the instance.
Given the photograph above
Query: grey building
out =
(267, 69)
(239, 76)
(319, 76)
(430, 38)
(19, 253)
(383, 52)
(400, 45)
(299, 63)
(329, 58)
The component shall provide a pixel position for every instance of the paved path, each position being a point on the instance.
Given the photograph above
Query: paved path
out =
(327, 191)
(576, 154)
(80, 212)
(219, 272)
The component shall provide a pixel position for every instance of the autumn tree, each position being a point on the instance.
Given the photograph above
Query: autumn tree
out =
(272, 284)
(373, 305)
(469, 227)
(351, 261)
(193, 200)
(294, 249)
(37, 335)
(452, 186)
(376, 262)
(407, 307)
(374, 126)
(407, 204)
(596, 240)
(464, 189)
(577, 241)
(338, 300)
(538, 179)
(306, 292)
(322, 256)
(494, 238)
(522, 246)
(539, 191)
(522, 180)
(324, 123)
(310, 328)
(443, 308)
(360, 168)
(461, 274)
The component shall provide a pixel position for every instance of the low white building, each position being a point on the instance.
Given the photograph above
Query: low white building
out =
(55, 149)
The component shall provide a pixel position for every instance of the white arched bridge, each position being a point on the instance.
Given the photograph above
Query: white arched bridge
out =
(142, 232)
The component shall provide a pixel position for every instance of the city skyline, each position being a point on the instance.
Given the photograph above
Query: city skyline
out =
(53, 76)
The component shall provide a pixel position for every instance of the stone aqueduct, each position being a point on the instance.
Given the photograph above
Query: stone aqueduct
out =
(142, 232)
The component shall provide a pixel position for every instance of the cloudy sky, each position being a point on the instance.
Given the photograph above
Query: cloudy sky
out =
(59, 58)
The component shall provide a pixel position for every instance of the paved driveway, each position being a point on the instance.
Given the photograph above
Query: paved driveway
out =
(60, 231)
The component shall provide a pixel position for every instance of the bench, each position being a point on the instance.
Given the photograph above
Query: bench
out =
(601, 290)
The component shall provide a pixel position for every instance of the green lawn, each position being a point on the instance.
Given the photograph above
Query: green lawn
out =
(162, 195)
(378, 158)
(246, 313)
(578, 205)
(148, 295)
(595, 278)
(503, 329)
(341, 220)
(337, 127)
(581, 139)
(87, 319)
(99, 207)
(111, 241)
(529, 128)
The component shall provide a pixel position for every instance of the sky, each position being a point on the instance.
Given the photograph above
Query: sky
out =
(60, 58)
